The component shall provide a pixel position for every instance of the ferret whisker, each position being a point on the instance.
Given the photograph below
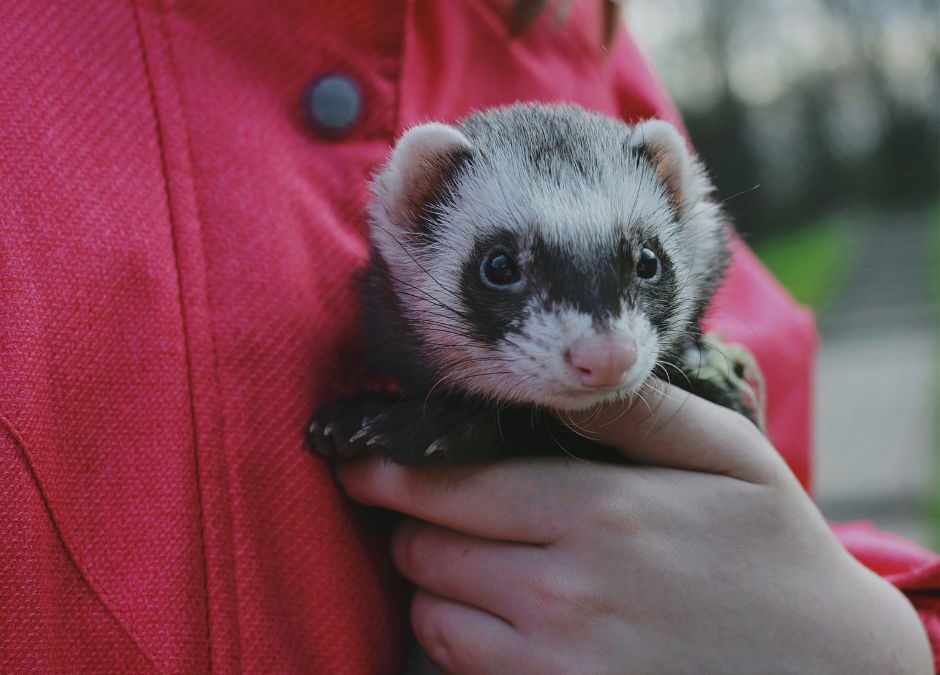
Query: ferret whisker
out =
(420, 294)
(431, 314)
(729, 362)
(438, 328)
(499, 425)
(677, 411)
(619, 415)
(420, 266)
(444, 318)
(662, 394)
(662, 365)
(738, 194)
(426, 295)
(594, 414)
(448, 379)
(481, 359)
(551, 433)
(665, 375)
(577, 429)
(636, 200)
(579, 432)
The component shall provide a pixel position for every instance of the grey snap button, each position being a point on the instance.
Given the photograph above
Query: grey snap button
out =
(332, 103)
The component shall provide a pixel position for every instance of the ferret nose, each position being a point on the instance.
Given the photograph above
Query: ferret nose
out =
(601, 363)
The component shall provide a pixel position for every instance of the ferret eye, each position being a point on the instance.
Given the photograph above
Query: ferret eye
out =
(647, 267)
(499, 270)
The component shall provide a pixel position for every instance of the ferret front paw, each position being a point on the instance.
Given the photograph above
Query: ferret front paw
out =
(408, 431)
(347, 428)
(727, 374)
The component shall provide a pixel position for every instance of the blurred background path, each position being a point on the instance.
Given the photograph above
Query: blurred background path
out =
(876, 388)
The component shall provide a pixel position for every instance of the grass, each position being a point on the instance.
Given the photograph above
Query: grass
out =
(811, 261)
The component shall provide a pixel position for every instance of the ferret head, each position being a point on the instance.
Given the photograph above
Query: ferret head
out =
(547, 255)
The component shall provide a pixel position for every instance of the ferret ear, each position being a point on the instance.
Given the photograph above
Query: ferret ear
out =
(423, 159)
(661, 144)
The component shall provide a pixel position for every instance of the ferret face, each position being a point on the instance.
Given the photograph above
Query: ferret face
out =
(544, 254)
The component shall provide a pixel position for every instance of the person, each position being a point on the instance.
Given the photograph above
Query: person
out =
(181, 218)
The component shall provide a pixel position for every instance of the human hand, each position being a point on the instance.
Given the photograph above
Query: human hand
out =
(705, 556)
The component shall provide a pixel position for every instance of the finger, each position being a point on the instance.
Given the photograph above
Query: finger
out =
(523, 500)
(672, 428)
(483, 573)
(462, 639)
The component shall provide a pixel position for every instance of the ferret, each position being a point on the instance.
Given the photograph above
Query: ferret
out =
(527, 262)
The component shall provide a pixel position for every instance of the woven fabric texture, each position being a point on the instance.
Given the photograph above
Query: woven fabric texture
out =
(176, 255)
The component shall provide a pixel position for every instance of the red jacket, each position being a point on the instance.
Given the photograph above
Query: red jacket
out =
(177, 240)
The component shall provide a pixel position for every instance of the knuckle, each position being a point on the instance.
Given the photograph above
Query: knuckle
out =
(569, 598)
(604, 506)
(776, 473)
(430, 632)
(404, 549)
(768, 467)
(408, 546)
(765, 463)
(610, 511)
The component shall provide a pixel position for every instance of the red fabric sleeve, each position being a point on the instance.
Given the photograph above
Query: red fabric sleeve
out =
(914, 569)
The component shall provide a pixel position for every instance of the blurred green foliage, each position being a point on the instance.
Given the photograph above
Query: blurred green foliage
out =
(811, 261)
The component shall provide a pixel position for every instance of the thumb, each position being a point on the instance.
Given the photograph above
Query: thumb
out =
(669, 427)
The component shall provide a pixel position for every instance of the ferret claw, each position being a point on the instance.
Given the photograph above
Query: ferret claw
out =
(312, 429)
(328, 429)
(434, 447)
(359, 434)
